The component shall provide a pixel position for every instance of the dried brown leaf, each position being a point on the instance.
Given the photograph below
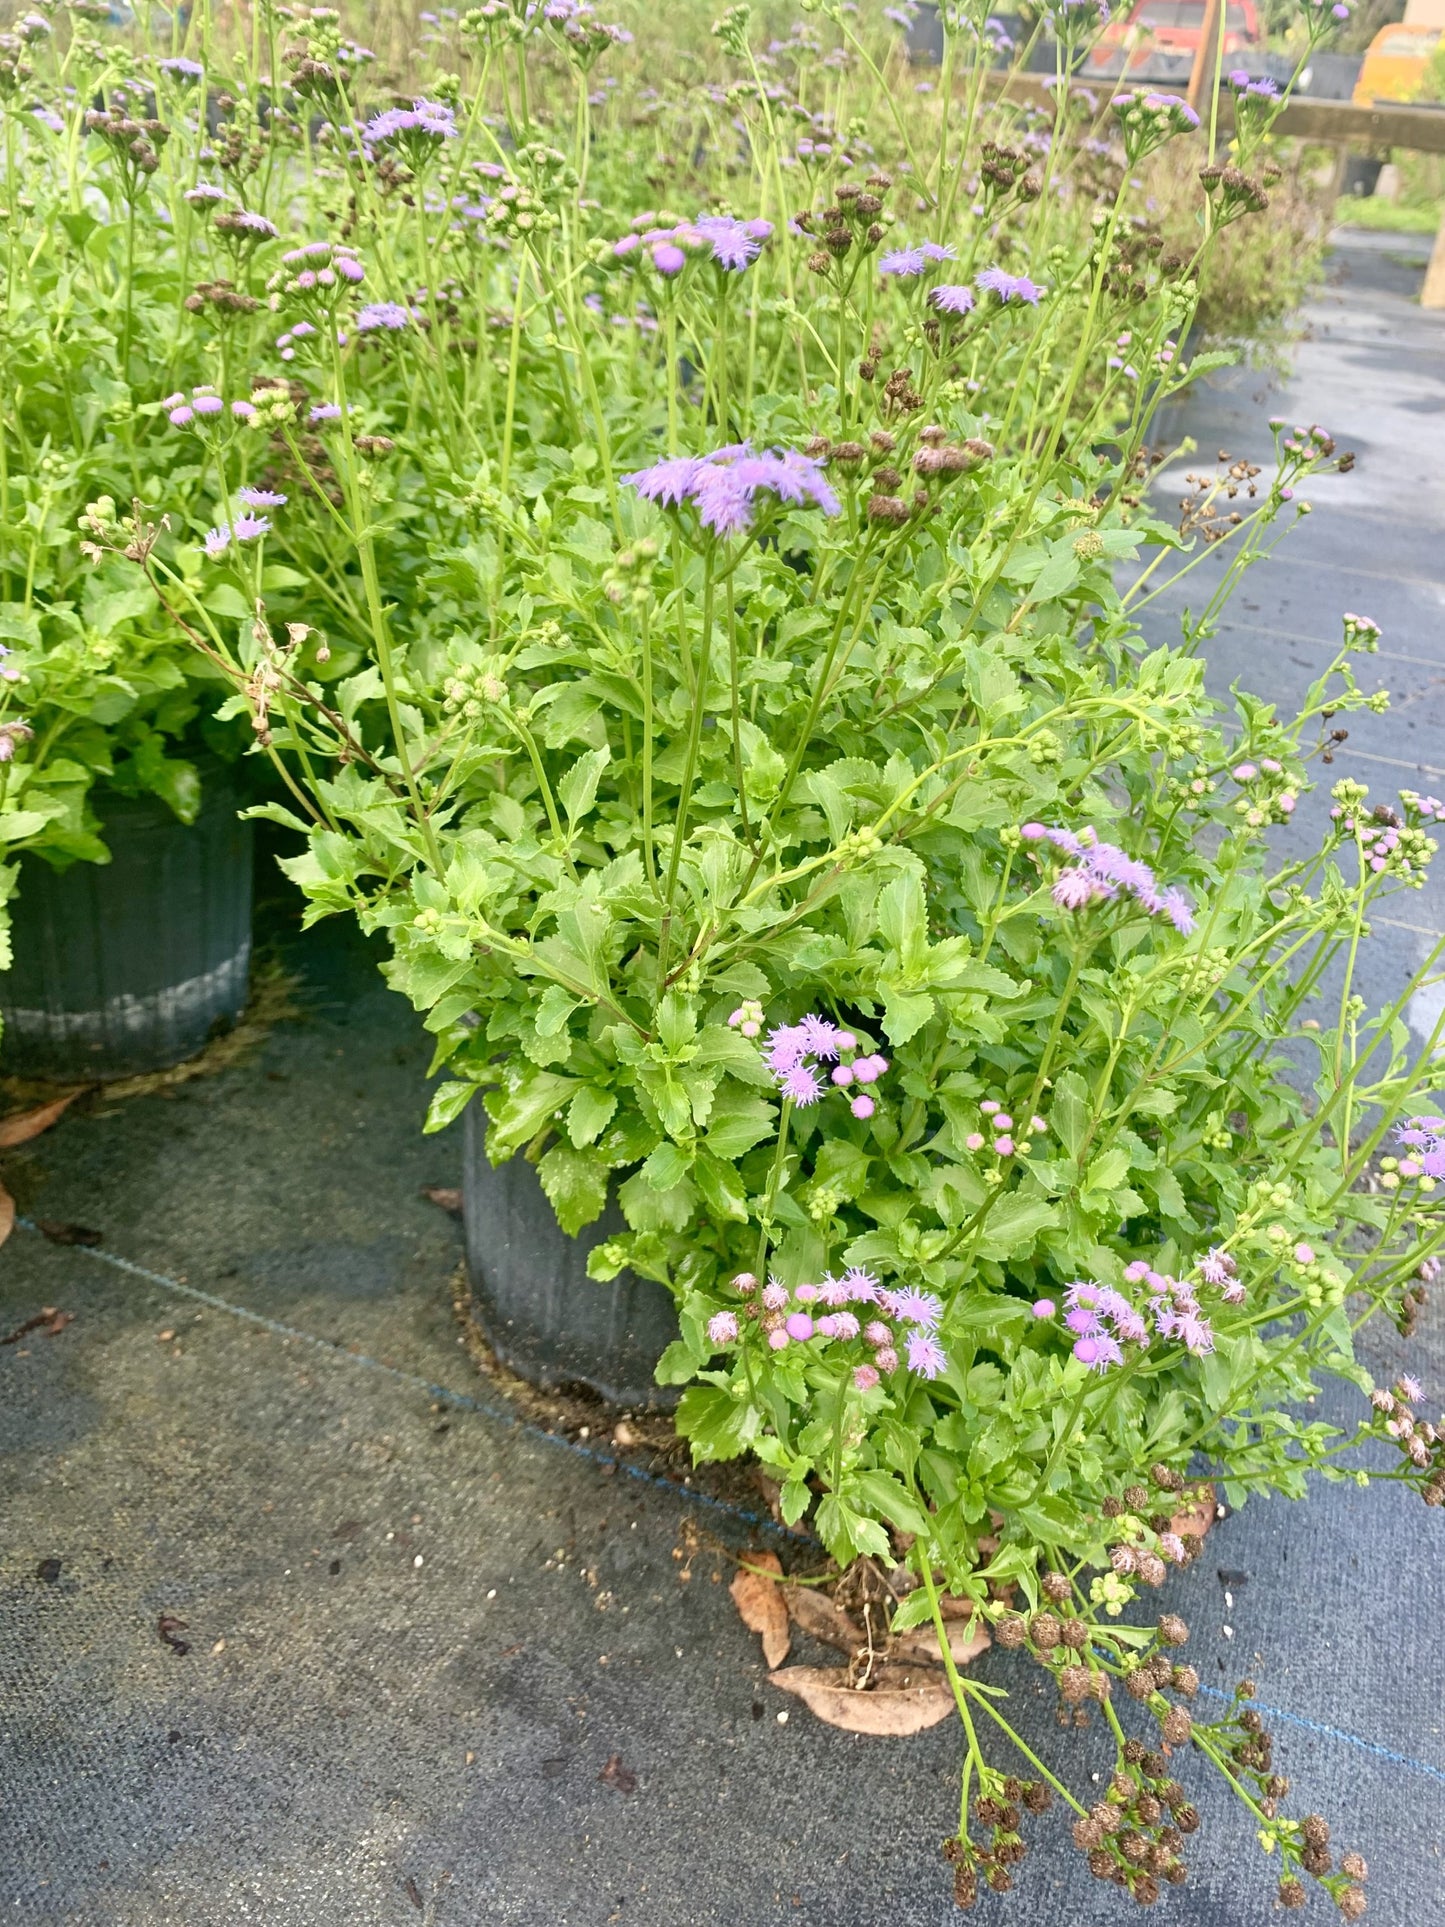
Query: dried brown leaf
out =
(445, 1195)
(823, 1618)
(905, 1699)
(620, 1778)
(963, 1642)
(759, 1601)
(1197, 1516)
(7, 1214)
(21, 1126)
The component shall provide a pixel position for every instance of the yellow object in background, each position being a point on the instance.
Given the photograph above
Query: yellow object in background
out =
(1395, 64)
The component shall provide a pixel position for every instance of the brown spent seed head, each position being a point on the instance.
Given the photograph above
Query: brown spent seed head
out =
(1010, 1632)
(1291, 1892)
(1355, 1865)
(1088, 1834)
(1076, 1634)
(1186, 1818)
(1352, 1903)
(1315, 1860)
(1045, 1631)
(1177, 1726)
(1185, 1681)
(887, 508)
(1136, 1497)
(1316, 1829)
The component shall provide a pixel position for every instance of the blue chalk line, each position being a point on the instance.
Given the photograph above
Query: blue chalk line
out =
(464, 1401)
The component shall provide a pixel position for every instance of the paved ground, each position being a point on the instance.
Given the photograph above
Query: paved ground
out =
(418, 1631)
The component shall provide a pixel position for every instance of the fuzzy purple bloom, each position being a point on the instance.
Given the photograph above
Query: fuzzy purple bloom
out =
(382, 314)
(1010, 287)
(925, 1355)
(261, 498)
(951, 297)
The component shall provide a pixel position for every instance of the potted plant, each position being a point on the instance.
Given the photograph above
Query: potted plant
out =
(854, 923)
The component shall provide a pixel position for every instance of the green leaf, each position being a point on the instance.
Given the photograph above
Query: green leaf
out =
(677, 1364)
(667, 1166)
(517, 1114)
(713, 1422)
(577, 790)
(738, 1121)
(555, 1007)
(576, 1183)
(1069, 1111)
(1013, 1224)
(880, 1492)
(448, 1101)
(721, 1188)
(225, 600)
(904, 1016)
(589, 1114)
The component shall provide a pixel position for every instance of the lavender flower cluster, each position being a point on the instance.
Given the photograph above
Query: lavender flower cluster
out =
(733, 244)
(1104, 1320)
(793, 1318)
(794, 1053)
(1422, 1443)
(1102, 872)
(724, 487)
(315, 273)
(1146, 121)
(422, 126)
(1424, 1138)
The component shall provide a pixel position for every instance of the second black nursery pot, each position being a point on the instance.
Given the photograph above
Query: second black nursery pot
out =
(542, 1315)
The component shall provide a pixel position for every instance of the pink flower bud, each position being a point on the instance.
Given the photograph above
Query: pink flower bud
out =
(841, 1075)
(974, 1141)
(744, 1283)
(864, 1377)
(1004, 1146)
(862, 1107)
(778, 1340)
(805, 1294)
(886, 1359)
(1044, 1308)
(1303, 1255)
(799, 1326)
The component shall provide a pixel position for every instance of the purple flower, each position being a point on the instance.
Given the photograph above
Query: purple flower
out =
(1044, 1308)
(725, 485)
(180, 68)
(925, 1355)
(801, 1086)
(784, 1047)
(862, 1106)
(1098, 1352)
(951, 297)
(325, 411)
(864, 1377)
(249, 528)
(917, 1308)
(800, 1326)
(735, 244)
(209, 405)
(382, 314)
(1194, 1329)
(243, 411)
(722, 1327)
(1010, 287)
(425, 123)
(820, 1038)
(1410, 1389)
(668, 258)
(218, 540)
(1075, 889)
(1177, 908)
(181, 417)
(261, 498)
(862, 1285)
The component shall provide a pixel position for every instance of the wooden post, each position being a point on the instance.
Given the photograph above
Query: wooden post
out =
(1201, 74)
(1432, 295)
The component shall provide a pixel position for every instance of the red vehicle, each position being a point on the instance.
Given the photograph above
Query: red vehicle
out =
(1158, 39)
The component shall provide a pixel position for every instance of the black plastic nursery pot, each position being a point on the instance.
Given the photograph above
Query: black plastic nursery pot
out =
(131, 965)
(541, 1314)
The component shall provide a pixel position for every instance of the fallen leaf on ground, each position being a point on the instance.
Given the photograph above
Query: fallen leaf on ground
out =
(48, 1570)
(21, 1126)
(821, 1617)
(906, 1700)
(48, 1320)
(445, 1195)
(413, 1893)
(7, 1214)
(759, 1601)
(963, 1642)
(1197, 1515)
(60, 1233)
(170, 1628)
(619, 1777)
